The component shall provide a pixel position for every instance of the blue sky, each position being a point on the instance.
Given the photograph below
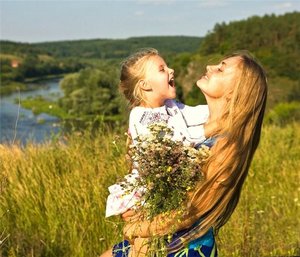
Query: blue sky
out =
(53, 20)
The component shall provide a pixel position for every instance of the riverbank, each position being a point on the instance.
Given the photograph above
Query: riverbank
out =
(11, 87)
(22, 122)
(40, 105)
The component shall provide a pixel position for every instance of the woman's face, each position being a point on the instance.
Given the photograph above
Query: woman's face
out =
(219, 80)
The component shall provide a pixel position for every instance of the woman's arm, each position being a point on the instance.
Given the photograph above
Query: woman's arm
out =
(160, 225)
(165, 224)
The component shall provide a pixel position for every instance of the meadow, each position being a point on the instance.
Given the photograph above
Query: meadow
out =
(53, 197)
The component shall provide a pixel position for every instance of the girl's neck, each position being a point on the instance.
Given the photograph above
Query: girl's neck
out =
(151, 104)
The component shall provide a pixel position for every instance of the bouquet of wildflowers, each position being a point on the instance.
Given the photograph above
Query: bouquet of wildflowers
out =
(167, 168)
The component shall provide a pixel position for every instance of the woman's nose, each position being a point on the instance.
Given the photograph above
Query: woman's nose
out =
(209, 68)
(171, 71)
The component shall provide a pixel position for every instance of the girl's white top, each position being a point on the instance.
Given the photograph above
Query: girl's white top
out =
(186, 122)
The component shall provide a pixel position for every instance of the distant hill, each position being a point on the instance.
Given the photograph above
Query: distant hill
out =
(274, 39)
(104, 48)
(20, 62)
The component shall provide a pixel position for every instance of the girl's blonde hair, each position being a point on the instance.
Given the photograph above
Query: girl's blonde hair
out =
(133, 70)
(238, 132)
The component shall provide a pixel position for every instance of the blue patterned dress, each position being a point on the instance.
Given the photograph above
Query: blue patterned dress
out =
(204, 246)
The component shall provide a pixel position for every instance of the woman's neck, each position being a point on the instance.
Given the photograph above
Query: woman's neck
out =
(216, 108)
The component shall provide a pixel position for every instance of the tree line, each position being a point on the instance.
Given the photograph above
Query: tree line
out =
(91, 88)
(274, 40)
(35, 60)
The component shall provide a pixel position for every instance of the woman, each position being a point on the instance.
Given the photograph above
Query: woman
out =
(236, 93)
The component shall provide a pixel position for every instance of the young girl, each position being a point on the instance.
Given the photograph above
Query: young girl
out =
(148, 84)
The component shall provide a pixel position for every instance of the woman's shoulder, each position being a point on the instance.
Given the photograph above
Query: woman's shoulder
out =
(209, 141)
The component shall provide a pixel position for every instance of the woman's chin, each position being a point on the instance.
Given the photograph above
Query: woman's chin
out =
(198, 83)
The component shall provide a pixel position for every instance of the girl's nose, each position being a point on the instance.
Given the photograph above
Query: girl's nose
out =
(171, 71)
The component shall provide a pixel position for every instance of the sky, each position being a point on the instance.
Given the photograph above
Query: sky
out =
(56, 20)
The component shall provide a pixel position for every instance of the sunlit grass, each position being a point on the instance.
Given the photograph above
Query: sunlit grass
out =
(40, 105)
(53, 197)
(266, 221)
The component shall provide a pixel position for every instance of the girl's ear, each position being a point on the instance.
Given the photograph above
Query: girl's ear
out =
(144, 85)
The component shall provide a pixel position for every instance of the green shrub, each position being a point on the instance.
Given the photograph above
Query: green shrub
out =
(284, 113)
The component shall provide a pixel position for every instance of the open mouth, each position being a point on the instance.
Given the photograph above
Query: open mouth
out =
(172, 82)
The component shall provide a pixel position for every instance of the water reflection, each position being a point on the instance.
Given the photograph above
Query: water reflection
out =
(20, 125)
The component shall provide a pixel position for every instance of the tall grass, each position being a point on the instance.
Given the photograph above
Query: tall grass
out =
(266, 221)
(53, 197)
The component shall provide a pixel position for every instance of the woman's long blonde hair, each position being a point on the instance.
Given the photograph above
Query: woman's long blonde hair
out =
(238, 137)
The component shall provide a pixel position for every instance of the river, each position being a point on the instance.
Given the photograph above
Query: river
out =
(21, 125)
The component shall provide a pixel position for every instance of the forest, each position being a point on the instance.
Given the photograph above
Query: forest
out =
(56, 58)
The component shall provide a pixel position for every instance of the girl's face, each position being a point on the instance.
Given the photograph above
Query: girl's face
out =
(220, 79)
(160, 82)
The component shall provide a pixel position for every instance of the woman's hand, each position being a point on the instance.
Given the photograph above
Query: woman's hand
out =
(130, 215)
(128, 232)
(133, 221)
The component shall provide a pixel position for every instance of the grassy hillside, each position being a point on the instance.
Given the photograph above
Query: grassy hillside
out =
(53, 197)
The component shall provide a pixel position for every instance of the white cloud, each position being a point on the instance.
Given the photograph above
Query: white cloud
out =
(139, 13)
(285, 5)
(212, 3)
(157, 2)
